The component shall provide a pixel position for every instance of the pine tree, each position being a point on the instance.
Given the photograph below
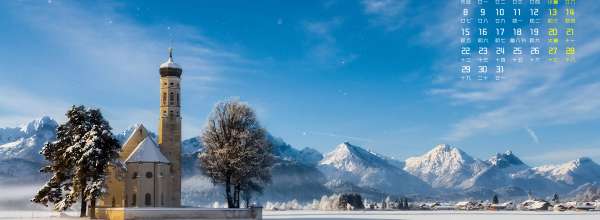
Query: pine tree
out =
(555, 199)
(495, 199)
(100, 149)
(78, 160)
(236, 152)
(59, 164)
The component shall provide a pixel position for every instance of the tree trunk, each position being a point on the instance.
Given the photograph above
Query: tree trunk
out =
(236, 196)
(83, 206)
(93, 208)
(83, 202)
(228, 192)
(247, 199)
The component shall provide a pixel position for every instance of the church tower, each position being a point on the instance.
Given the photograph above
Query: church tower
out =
(169, 125)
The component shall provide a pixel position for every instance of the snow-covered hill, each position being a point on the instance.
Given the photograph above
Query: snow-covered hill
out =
(574, 173)
(444, 166)
(353, 164)
(498, 172)
(25, 142)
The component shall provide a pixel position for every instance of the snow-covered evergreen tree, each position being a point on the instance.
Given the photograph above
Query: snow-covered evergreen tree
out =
(237, 152)
(555, 199)
(495, 199)
(59, 163)
(101, 148)
(78, 160)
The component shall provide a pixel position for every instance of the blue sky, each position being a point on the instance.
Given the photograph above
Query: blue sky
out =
(379, 73)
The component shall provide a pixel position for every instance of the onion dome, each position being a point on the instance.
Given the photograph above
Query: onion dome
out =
(170, 68)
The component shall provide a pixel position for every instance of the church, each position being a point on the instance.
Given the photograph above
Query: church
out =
(146, 183)
(150, 173)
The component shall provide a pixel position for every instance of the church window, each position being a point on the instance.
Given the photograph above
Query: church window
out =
(148, 199)
(133, 199)
(171, 99)
(135, 175)
(149, 175)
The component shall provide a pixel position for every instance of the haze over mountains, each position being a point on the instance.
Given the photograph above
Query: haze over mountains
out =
(445, 172)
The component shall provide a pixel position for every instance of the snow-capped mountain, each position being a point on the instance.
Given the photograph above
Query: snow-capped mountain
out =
(507, 160)
(26, 142)
(284, 151)
(444, 166)
(353, 164)
(498, 173)
(305, 174)
(574, 173)
(123, 135)
(191, 145)
(587, 192)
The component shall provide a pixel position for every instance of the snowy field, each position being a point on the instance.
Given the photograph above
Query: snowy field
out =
(431, 215)
(365, 215)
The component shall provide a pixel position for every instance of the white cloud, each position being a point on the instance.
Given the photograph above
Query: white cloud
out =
(387, 13)
(533, 135)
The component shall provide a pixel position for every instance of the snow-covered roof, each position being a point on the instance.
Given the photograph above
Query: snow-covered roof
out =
(147, 151)
(170, 63)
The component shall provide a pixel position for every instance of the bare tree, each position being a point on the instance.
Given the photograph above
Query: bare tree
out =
(236, 151)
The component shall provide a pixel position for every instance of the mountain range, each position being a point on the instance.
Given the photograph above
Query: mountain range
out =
(445, 172)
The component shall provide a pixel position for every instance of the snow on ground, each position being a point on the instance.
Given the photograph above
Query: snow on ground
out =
(39, 214)
(430, 215)
(364, 215)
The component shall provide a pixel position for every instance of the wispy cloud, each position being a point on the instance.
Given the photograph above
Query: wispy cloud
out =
(387, 13)
(19, 106)
(533, 135)
(112, 51)
(323, 47)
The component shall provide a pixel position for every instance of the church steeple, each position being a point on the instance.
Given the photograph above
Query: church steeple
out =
(170, 67)
(169, 125)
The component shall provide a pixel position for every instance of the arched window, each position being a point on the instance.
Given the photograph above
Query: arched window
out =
(134, 175)
(148, 199)
(148, 175)
(133, 200)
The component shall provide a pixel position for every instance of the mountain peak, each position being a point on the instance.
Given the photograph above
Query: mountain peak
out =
(442, 147)
(583, 160)
(37, 124)
(505, 159)
(443, 166)
(347, 154)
